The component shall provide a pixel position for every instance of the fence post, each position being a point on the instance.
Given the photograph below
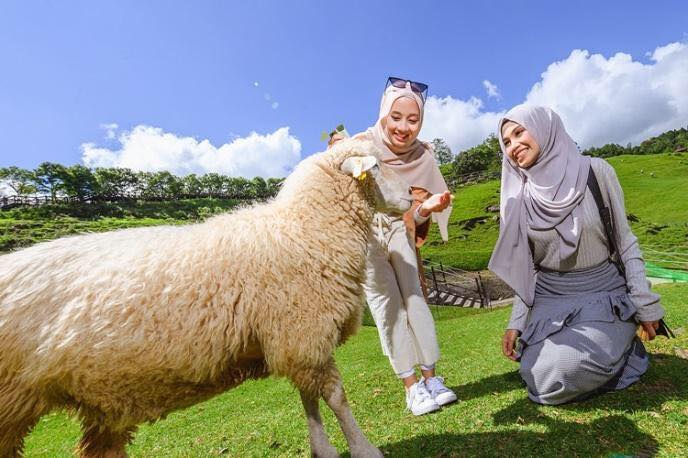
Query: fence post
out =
(434, 282)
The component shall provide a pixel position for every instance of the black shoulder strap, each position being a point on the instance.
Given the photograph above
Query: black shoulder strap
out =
(605, 214)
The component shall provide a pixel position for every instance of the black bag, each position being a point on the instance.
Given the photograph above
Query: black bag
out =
(606, 217)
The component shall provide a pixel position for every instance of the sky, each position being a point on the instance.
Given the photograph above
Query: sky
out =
(247, 88)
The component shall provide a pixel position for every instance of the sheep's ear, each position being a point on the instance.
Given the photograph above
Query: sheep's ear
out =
(358, 165)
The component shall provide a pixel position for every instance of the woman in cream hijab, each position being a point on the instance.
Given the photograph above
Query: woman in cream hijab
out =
(393, 288)
(575, 310)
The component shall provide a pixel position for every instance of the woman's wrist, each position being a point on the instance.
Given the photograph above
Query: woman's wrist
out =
(422, 212)
(419, 216)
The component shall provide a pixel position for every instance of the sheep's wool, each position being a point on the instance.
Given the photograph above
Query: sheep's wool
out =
(127, 326)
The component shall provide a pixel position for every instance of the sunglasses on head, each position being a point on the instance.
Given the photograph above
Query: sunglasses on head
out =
(419, 88)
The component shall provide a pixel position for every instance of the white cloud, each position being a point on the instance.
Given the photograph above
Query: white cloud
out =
(151, 149)
(492, 90)
(462, 124)
(601, 100)
(110, 130)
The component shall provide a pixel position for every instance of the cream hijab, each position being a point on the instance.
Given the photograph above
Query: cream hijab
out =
(544, 196)
(416, 165)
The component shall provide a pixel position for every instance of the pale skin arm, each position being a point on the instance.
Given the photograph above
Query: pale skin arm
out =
(436, 203)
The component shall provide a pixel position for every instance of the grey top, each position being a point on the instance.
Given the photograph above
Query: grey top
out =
(593, 250)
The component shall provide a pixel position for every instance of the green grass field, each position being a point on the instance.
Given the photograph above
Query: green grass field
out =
(654, 188)
(493, 418)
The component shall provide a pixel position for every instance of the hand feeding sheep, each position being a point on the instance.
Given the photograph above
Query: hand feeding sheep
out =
(127, 326)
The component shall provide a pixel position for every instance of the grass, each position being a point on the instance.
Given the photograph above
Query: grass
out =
(654, 191)
(494, 417)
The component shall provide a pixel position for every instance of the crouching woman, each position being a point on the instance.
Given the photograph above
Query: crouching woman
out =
(580, 288)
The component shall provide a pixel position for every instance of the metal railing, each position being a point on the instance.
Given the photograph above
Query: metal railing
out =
(451, 286)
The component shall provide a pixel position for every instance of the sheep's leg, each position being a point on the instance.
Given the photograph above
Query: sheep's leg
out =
(99, 441)
(333, 393)
(320, 445)
(12, 436)
(20, 410)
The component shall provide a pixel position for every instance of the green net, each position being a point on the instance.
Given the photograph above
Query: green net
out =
(653, 270)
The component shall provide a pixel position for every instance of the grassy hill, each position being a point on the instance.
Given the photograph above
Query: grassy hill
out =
(494, 417)
(655, 194)
(25, 226)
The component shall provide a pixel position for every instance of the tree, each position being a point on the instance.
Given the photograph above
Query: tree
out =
(212, 184)
(442, 152)
(161, 185)
(78, 181)
(114, 183)
(192, 185)
(485, 157)
(274, 185)
(260, 187)
(21, 181)
(48, 178)
(608, 150)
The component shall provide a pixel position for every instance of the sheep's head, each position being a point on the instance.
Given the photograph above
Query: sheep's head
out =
(358, 159)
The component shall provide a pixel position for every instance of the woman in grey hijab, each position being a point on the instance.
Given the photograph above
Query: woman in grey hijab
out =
(576, 308)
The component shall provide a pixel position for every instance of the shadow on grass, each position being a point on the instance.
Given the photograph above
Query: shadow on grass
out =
(666, 380)
(599, 438)
(614, 434)
(493, 384)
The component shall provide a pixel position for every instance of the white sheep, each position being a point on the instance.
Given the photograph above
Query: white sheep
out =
(127, 326)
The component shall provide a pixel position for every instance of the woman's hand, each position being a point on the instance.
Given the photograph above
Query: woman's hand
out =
(649, 328)
(436, 203)
(509, 343)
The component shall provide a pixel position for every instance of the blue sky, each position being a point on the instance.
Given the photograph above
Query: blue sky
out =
(172, 74)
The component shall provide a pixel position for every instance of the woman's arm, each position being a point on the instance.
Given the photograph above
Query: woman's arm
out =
(647, 302)
(519, 315)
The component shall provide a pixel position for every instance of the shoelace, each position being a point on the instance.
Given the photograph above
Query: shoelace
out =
(422, 392)
(436, 384)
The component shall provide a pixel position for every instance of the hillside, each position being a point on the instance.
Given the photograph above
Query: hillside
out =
(25, 226)
(655, 194)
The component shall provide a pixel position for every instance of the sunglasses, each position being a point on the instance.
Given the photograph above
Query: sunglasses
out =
(419, 88)
(340, 129)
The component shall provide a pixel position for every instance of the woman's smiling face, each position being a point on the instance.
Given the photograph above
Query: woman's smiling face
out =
(402, 124)
(520, 146)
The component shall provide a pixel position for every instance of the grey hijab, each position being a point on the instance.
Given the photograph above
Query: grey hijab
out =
(542, 197)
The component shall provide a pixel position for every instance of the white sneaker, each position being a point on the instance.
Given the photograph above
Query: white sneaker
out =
(439, 393)
(419, 401)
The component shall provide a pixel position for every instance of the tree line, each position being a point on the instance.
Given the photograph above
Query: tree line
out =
(487, 157)
(84, 184)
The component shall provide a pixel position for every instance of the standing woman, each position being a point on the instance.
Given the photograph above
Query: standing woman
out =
(393, 288)
(575, 311)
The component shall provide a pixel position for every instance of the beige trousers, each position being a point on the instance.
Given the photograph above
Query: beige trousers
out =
(394, 295)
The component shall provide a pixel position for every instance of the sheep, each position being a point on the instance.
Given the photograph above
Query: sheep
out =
(127, 326)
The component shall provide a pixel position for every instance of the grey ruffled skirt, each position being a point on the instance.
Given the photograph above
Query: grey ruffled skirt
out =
(581, 336)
